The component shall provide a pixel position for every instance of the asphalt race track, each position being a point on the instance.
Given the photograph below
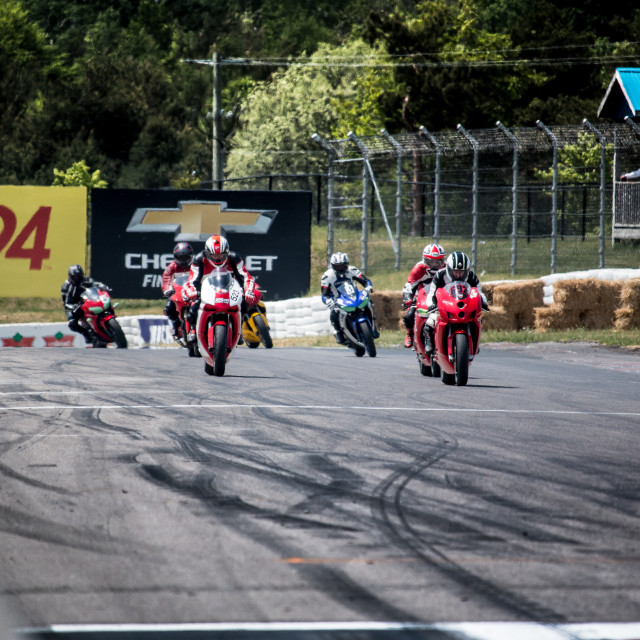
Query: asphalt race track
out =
(311, 486)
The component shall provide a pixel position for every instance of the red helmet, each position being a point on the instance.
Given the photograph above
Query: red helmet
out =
(216, 249)
(433, 256)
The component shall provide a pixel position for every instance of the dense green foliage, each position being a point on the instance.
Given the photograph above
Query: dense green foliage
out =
(105, 83)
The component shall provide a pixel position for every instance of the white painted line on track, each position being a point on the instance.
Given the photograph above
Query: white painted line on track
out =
(467, 630)
(313, 407)
(79, 392)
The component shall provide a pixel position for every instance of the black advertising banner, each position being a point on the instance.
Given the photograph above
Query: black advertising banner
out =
(133, 233)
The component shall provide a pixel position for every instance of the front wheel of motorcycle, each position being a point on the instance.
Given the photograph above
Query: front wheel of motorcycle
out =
(461, 360)
(263, 332)
(367, 339)
(219, 349)
(116, 333)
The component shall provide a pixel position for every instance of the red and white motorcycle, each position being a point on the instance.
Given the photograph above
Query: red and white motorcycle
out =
(219, 320)
(99, 317)
(457, 332)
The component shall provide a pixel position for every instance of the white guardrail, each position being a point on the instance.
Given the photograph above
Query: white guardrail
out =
(287, 318)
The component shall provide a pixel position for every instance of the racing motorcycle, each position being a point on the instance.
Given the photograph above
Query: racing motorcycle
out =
(99, 317)
(178, 282)
(219, 322)
(356, 318)
(457, 331)
(255, 327)
(427, 364)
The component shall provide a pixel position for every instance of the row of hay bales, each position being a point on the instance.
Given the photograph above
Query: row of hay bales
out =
(590, 303)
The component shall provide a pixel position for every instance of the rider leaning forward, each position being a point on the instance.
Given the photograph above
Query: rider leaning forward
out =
(216, 256)
(71, 290)
(457, 268)
(181, 263)
(339, 269)
(421, 275)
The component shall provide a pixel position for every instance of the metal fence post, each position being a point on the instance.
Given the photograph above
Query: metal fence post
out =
(399, 153)
(331, 154)
(368, 169)
(514, 192)
(474, 191)
(603, 172)
(364, 240)
(554, 195)
(436, 186)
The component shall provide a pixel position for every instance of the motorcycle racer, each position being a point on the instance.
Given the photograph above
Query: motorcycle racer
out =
(71, 290)
(183, 257)
(339, 269)
(216, 255)
(421, 274)
(457, 268)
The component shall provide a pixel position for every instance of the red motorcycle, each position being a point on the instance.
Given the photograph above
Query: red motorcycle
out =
(457, 332)
(219, 320)
(178, 281)
(428, 365)
(99, 317)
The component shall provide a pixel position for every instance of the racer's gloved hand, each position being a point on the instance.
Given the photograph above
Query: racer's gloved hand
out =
(485, 306)
(168, 292)
(407, 303)
(250, 297)
(433, 307)
(369, 288)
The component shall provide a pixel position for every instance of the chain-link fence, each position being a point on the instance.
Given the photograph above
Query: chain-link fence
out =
(521, 201)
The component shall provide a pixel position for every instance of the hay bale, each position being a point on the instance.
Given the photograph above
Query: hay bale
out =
(590, 303)
(627, 318)
(499, 319)
(630, 294)
(519, 300)
(389, 312)
(555, 317)
(488, 290)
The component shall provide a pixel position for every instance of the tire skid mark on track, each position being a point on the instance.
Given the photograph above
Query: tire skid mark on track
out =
(219, 460)
(391, 517)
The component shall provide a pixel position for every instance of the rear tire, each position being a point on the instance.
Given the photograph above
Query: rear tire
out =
(117, 334)
(461, 360)
(367, 339)
(208, 369)
(360, 351)
(263, 332)
(219, 349)
(251, 345)
(448, 378)
(424, 370)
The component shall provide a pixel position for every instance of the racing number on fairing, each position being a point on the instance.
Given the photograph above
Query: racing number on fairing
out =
(349, 289)
(38, 224)
(459, 291)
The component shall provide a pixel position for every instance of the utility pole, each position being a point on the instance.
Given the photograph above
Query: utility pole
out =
(217, 158)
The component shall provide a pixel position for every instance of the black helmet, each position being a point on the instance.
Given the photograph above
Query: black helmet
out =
(339, 262)
(76, 274)
(458, 265)
(183, 253)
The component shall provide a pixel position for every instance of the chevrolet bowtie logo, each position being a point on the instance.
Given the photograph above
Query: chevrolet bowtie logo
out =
(196, 220)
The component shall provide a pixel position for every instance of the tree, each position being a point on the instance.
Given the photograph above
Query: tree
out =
(281, 115)
(78, 175)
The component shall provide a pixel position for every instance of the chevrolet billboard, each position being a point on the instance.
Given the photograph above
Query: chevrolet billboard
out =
(133, 233)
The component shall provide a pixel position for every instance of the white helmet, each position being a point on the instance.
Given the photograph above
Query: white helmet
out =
(458, 265)
(216, 249)
(339, 262)
(433, 256)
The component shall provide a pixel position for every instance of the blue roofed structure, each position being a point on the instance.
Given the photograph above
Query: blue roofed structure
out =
(623, 95)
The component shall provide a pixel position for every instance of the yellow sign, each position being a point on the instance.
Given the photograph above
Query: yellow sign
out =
(43, 230)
